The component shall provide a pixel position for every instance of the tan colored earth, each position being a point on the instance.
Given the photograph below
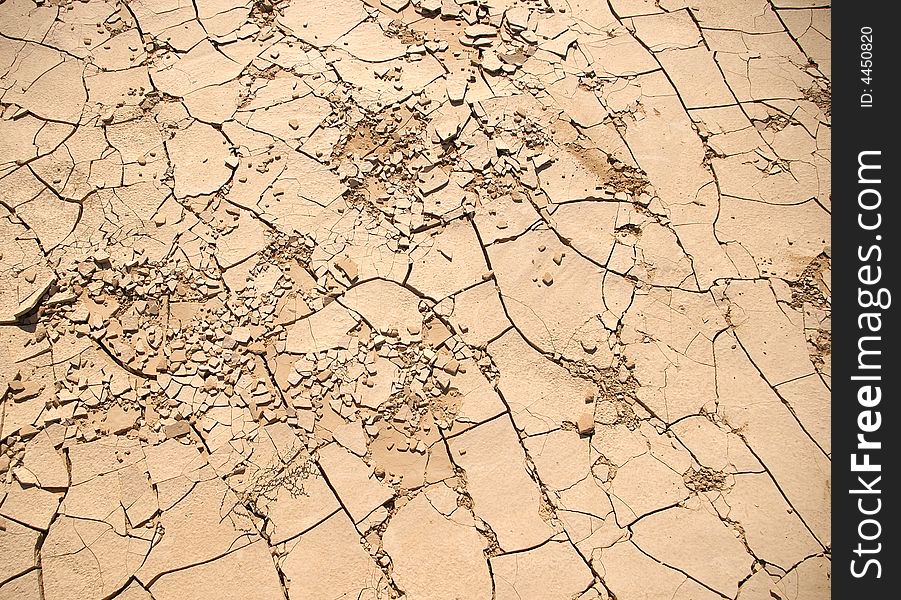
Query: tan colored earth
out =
(415, 299)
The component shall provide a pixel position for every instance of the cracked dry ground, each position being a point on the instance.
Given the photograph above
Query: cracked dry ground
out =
(433, 300)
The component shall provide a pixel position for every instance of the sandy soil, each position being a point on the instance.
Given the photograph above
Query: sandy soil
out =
(430, 299)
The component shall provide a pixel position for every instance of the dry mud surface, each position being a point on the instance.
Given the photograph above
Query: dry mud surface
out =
(429, 299)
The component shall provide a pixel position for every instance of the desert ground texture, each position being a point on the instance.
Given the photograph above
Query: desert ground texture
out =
(415, 299)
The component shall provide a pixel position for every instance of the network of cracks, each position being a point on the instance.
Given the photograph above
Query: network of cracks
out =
(422, 300)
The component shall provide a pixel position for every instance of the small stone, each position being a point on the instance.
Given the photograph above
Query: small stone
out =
(241, 335)
(585, 424)
(490, 62)
(477, 31)
(395, 5)
(429, 7)
(177, 429)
